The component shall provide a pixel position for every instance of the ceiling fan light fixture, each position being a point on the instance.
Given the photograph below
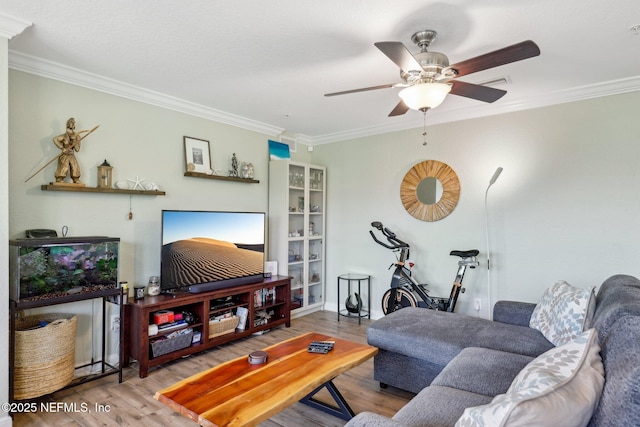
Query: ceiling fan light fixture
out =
(424, 96)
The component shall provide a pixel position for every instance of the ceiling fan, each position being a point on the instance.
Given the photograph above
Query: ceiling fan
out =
(427, 77)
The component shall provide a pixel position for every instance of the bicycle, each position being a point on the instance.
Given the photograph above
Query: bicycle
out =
(404, 287)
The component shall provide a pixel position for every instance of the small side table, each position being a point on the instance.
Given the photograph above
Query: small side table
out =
(351, 279)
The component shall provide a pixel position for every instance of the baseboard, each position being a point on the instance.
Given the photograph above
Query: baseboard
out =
(6, 421)
(332, 306)
(113, 359)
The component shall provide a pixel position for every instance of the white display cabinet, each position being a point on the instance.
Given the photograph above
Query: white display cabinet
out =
(297, 206)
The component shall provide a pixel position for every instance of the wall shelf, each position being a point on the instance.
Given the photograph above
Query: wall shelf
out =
(82, 189)
(222, 178)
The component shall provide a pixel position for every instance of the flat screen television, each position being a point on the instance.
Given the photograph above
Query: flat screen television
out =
(208, 250)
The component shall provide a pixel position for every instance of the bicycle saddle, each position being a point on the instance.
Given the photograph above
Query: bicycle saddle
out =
(465, 254)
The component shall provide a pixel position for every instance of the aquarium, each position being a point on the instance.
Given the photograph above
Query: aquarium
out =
(56, 267)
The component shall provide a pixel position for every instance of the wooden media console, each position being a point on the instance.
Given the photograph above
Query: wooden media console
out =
(254, 307)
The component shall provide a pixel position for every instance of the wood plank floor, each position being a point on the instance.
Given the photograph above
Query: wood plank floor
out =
(132, 404)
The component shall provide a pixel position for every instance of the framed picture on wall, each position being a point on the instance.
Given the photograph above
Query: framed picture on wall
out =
(197, 156)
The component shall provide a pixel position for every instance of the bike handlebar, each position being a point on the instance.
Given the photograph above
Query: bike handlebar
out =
(390, 235)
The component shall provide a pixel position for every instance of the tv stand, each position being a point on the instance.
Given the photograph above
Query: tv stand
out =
(271, 296)
(169, 293)
(224, 284)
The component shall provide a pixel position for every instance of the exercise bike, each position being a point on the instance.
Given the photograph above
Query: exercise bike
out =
(404, 288)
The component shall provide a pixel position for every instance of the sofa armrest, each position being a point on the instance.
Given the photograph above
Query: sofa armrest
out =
(513, 312)
(370, 419)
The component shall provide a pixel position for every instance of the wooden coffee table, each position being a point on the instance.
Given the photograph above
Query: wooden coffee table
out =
(237, 393)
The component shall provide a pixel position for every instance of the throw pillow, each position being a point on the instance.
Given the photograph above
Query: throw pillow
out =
(560, 387)
(591, 310)
(561, 313)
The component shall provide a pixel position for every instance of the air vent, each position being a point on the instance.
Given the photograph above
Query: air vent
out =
(496, 81)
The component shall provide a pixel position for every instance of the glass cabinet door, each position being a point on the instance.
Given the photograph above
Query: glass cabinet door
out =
(297, 226)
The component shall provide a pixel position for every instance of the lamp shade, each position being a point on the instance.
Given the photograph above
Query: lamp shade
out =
(423, 96)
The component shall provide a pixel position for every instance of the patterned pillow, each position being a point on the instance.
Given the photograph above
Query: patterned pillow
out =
(560, 387)
(591, 310)
(561, 313)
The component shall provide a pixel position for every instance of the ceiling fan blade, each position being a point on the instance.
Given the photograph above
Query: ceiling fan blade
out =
(364, 89)
(479, 92)
(399, 109)
(513, 53)
(400, 55)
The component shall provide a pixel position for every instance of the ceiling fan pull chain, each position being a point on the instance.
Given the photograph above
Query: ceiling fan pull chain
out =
(424, 126)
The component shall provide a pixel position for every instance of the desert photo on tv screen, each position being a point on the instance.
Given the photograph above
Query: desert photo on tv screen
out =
(204, 247)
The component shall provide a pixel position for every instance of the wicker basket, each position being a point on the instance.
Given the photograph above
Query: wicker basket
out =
(164, 346)
(223, 327)
(44, 357)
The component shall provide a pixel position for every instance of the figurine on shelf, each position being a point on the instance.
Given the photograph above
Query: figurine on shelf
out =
(137, 184)
(69, 143)
(151, 186)
(247, 170)
(234, 166)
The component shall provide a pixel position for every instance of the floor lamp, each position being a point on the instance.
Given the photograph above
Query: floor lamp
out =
(492, 181)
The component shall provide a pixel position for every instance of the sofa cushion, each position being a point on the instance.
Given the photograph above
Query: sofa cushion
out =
(438, 406)
(413, 375)
(438, 336)
(561, 313)
(482, 371)
(370, 419)
(560, 387)
(513, 312)
(619, 404)
(619, 296)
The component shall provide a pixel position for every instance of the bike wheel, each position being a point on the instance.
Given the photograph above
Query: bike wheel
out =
(403, 299)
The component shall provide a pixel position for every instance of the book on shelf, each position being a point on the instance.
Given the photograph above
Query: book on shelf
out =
(172, 325)
(264, 296)
(242, 313)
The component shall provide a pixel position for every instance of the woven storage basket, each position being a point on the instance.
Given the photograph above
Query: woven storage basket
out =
(160, 347)
(44, 357)
(223, 327)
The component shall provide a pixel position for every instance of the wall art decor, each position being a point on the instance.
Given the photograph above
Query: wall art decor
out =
(197, 155)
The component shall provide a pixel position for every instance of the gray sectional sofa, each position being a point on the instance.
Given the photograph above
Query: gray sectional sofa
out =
(455, 362)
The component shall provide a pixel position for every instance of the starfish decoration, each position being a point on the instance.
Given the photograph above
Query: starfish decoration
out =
(137, 183)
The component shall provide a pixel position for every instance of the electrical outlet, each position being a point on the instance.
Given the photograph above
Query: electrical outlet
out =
(477, 304)
(115, 323)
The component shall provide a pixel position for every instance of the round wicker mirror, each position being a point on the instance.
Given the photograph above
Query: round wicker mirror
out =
(450, 190)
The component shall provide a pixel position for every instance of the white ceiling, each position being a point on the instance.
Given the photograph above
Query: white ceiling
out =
(265, 65)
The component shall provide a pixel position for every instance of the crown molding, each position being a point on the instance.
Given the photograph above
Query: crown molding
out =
(53, 70)
(11, 26)
(579, 93)
(56, 71)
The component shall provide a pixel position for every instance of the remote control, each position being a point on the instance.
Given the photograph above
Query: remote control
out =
(320, 346)
(323, 343)
(321, 350)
